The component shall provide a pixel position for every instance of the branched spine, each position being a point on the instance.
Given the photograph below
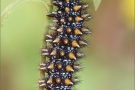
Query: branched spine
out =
(65, 44)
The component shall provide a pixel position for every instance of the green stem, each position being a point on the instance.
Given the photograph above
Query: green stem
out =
(44, 43)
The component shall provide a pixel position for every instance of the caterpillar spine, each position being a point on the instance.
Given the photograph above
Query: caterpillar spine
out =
(65, 43)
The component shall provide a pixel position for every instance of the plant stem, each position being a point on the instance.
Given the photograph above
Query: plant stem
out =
(44, 43)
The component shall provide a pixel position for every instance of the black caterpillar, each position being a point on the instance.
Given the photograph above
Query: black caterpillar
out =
(65, 44)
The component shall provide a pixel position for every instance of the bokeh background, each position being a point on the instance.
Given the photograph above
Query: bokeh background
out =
(109, 60)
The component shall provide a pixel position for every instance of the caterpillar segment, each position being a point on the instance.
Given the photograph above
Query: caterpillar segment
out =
(65, 43)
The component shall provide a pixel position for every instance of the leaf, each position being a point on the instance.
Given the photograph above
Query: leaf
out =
(6, 11)
(96, 4)
(10, 7)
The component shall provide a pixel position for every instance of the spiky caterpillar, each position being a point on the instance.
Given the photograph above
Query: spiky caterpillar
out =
(65, 44)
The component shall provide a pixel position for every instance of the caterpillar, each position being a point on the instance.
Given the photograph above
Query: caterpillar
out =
(65, 43)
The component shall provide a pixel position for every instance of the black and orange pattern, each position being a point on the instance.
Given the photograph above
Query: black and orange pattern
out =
(65, 44)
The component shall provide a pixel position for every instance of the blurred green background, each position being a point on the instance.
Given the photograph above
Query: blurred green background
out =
(109, 60)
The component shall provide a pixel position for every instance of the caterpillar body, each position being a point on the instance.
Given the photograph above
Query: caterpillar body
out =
(65, 43)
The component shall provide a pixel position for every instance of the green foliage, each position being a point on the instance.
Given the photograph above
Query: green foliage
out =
(5, 14)
(96, 3)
